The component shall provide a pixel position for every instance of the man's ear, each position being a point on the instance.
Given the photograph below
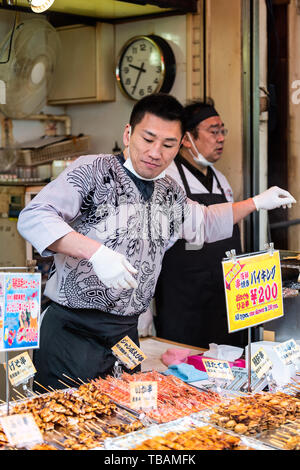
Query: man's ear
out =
(126, 135)
(186, 141)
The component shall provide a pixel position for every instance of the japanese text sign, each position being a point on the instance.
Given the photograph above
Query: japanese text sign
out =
(143, 395)
(20, 300)
(128, 353)
(288, 351)
(260, 363)
(21, 430)
(218, 369)
(253, 290)
(20, 369)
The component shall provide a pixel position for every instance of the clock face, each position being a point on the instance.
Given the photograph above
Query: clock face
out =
(141, 68)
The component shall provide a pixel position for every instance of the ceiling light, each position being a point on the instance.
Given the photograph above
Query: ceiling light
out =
(38, 6)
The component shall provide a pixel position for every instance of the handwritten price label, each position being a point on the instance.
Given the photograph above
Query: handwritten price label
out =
(218, 369)
(143, 395)
(288, 351)
(21, 430)
(20, 369)
(128, 353)
(260, 363)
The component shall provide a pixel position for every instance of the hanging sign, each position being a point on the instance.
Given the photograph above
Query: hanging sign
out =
(261, 363)
(20, 301)
(253, 290)
(288, 352)
(218, 369)
(128, 353)
(143, 395)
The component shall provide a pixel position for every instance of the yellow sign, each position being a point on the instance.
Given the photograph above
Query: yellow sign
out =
(253, 290)
(218, 369)
(128, 353)
(20, 369)
(143, 395)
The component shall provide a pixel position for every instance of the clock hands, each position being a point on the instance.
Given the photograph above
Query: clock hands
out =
(138, 68)
(141, 69)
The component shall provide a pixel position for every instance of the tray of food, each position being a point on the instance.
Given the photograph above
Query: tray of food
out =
(252, 415)
(183, 434)
(75, 419)
(175, 398)
(286, 437)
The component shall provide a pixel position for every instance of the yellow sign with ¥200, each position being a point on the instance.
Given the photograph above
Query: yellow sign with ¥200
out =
(253, 290)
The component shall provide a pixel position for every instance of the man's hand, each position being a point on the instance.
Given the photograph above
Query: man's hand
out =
(273, 198)
(113, 269)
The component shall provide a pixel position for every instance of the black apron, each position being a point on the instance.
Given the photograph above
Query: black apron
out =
(77, 343)
(190, 299)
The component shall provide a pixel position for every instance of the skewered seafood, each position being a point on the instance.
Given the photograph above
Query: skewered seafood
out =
(175, 398)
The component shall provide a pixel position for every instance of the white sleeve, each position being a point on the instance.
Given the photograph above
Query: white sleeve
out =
(207, 224)
(47, 217)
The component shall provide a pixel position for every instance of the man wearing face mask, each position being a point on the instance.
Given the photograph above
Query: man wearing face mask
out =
(190, 300)
(108, 220)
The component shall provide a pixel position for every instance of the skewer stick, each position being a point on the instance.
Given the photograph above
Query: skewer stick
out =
(68, 386)
(81, 380)
(18, 393)
(41, 386)
(70, 378)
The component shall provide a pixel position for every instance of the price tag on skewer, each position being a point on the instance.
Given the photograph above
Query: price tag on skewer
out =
(218, 369)
(143, 395)
(128, 353)
(261, 363)
(21, 430)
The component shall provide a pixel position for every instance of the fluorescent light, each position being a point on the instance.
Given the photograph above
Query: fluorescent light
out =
(38, 6)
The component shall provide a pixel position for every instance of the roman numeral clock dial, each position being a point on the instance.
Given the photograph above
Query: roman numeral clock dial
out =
(146, 65)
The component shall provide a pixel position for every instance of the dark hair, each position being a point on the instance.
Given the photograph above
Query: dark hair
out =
(197, 111)
(161, 105)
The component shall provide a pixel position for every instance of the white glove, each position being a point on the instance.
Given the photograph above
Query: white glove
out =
(113, 269)
(145, 324)
(272, 198)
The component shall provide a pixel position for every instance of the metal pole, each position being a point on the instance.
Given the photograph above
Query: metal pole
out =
(249, 360)
(7, 382)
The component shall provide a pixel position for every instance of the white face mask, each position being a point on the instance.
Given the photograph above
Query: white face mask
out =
(198, 157)
(128, 164)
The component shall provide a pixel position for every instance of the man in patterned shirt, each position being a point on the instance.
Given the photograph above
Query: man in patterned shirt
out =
(108, 221)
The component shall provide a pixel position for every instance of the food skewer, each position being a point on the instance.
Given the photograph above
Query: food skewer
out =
(42, 386)
(70, 378)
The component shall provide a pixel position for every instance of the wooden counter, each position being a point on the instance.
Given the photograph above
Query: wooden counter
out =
(155, 347)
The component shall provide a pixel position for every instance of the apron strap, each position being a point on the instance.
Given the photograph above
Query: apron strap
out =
(179, 162)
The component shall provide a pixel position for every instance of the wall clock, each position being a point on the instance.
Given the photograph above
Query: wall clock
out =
(146, 65)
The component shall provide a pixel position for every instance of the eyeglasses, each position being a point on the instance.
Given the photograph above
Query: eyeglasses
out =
(217, 132)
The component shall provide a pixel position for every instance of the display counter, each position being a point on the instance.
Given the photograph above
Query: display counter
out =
(102, 415)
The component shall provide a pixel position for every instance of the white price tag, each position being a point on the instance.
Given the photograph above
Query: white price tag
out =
(21, 430)
(288, 351)
(261, 363)
(143, 395)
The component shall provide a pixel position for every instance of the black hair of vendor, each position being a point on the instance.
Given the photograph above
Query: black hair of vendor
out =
(161, 105)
